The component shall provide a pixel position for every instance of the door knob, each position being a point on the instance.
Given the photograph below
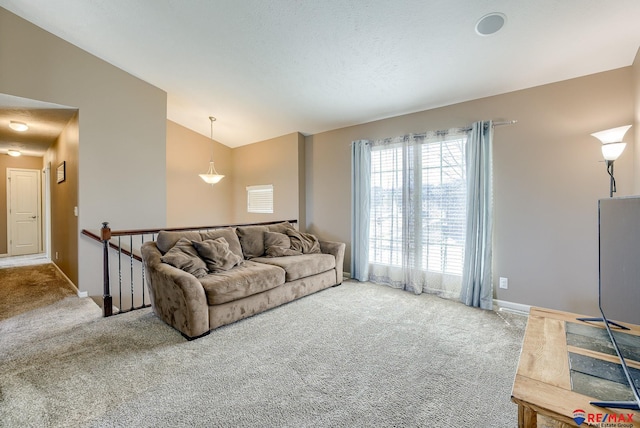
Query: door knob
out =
(34, 216)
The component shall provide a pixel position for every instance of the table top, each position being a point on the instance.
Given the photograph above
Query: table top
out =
(543, 379)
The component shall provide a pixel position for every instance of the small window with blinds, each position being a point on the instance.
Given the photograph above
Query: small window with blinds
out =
(260, 199)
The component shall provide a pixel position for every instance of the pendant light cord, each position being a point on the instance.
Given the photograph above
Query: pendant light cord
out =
(212, 119)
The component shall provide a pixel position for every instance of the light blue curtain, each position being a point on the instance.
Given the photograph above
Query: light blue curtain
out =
(477, 286)
(360, 212)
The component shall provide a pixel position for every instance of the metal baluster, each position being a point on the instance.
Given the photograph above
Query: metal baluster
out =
(131, 263)
(120, 272)
(142, 268)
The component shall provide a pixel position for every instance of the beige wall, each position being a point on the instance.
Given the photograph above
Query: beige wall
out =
(6, 161)
(548, 178)
(191, 201)
(122, 122)
(64, 198)
(636, 121)
(276, 162)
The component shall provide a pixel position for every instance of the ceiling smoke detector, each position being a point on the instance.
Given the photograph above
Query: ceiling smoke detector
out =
(490, 23)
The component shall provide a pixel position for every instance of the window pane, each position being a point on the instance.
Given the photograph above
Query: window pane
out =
(437, 232)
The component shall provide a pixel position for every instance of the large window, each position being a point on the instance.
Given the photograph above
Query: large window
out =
(418, 206)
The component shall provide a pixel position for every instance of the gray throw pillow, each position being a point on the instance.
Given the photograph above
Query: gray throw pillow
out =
(303, 242)
(216, 254)
(251, 240)
(227, 233)
(185, 257)
(276, 239)
(278, 245)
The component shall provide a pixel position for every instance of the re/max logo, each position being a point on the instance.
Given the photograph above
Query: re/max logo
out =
(604, 419)
(609, 417)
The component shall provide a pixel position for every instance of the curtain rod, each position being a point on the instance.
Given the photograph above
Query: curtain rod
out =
(465, 129)
(506, 122)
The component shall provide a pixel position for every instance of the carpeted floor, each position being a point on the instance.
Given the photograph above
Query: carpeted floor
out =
(358, 355)
(25, 288)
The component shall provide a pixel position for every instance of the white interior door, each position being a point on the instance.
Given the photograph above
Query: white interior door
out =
(23, 201)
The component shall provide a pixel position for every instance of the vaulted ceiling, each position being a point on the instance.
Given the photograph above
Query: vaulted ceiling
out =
(266, 68)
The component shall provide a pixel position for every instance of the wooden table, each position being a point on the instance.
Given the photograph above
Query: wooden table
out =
(542, 387)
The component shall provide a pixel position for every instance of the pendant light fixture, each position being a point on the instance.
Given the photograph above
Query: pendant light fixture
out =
(212, 176)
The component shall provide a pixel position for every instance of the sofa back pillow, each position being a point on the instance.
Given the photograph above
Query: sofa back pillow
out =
(184, 256)
(304, 242)
(251, 240)
(166, 240)
(229, 234)
(217, 255)
(278, 245)
(252, 237)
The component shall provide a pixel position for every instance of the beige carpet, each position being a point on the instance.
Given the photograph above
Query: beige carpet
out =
(26, 288)
(358, 355)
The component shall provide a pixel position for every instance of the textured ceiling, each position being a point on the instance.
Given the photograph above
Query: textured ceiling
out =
(268, 68)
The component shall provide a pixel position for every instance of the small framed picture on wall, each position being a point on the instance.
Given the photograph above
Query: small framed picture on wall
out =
(61, 172)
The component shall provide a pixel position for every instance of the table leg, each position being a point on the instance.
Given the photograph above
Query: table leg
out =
(527, 417)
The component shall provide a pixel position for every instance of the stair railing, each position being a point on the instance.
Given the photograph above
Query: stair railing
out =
(128, 252)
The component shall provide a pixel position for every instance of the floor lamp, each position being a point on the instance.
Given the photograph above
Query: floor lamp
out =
(612, 148)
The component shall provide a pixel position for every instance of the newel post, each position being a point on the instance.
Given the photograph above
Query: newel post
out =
(107, 304)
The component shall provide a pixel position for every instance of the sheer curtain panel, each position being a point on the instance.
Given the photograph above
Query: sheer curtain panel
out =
(416, 239)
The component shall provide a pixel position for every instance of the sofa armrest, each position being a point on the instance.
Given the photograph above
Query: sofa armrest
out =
(336, 249)
(177, 297)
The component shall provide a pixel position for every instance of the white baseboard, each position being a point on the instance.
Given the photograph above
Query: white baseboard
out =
(78, 292)
(517, 308)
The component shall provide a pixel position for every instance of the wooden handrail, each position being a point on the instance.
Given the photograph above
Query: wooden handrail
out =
(95, 237)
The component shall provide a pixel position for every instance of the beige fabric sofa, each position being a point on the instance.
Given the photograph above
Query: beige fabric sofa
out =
(195, 306)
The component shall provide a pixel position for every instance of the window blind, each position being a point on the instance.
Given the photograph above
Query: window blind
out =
(418, 205)
(260, 199)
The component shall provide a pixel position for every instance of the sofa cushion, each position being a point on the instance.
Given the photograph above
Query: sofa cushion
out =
(184, 256)
(252, 237)
(229, 234)
(306, 243)
(278, 245)
(166, 240)
(216, 254)
(241, 281)
(301, 266)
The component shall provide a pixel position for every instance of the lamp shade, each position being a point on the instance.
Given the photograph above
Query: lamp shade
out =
(612, 151)
(612, 145)
(613, 135)
(212, 176)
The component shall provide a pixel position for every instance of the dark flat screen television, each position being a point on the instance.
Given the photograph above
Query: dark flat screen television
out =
(619, 276)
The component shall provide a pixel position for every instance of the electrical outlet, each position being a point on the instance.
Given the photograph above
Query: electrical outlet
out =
(56, 255)
(504, 283)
